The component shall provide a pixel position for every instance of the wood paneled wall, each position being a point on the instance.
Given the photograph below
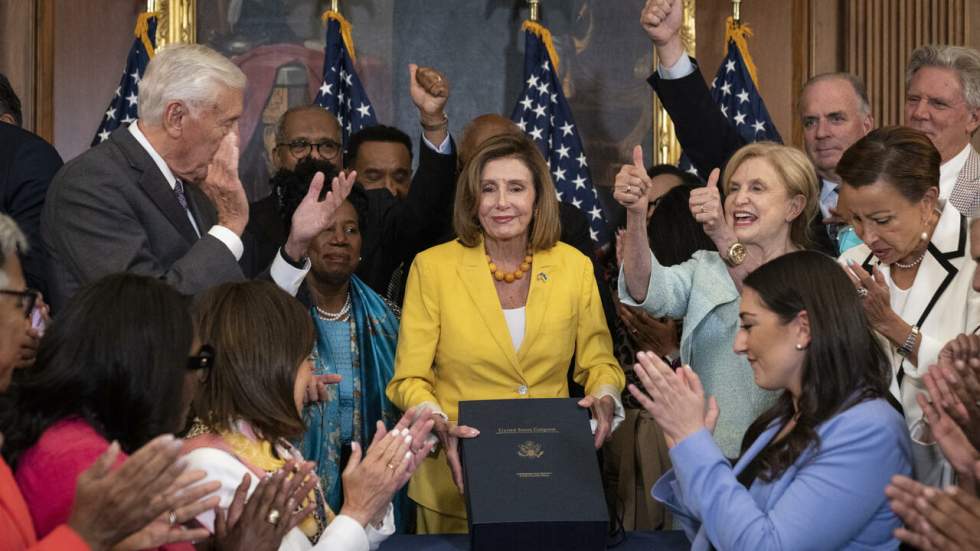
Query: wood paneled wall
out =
(881, 35)
(26, 58)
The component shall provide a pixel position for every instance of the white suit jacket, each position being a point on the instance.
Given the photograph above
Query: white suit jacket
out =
(943, 304)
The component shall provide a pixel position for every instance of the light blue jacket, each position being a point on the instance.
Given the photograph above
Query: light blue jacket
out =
(832, 497)
(701, 293)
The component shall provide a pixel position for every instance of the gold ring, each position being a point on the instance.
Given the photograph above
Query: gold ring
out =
(703, 209)
(273, 517)
(390, 466)
(172, 518)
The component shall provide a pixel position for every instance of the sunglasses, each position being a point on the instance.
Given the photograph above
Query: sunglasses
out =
(25, 299)
(204, 359)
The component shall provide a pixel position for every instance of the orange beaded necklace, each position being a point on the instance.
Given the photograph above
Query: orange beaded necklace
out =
(510, 277)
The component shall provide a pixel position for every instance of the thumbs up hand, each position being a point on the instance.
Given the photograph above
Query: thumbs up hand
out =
(706, 207)
(632, 185)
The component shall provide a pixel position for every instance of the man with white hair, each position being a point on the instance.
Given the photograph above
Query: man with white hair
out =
(162, 197)
(942, 99)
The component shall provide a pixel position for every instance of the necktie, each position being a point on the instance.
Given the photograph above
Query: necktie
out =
(182, 199)
(179, 192)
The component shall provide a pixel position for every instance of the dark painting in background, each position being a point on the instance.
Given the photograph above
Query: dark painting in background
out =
(604, 60)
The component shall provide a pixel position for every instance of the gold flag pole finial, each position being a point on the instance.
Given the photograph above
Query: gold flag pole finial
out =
(534, 5)
(335, 5)
(737, 11)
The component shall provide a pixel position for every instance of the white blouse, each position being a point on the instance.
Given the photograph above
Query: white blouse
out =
(516, 320)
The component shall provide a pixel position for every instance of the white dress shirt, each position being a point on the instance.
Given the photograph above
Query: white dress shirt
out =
(949, 172)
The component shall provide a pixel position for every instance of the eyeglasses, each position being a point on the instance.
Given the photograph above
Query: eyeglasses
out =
(25, 299)
(203, 360)
(327, 149)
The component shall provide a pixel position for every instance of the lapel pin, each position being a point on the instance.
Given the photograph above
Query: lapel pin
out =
(542, 277)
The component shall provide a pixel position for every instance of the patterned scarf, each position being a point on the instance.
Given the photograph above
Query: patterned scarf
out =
(257, 455)
(374, 334)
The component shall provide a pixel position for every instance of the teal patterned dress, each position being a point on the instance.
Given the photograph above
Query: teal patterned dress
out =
(361, 349)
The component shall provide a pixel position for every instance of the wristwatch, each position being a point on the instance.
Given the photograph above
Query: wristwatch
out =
(906, 349)
(736, 254)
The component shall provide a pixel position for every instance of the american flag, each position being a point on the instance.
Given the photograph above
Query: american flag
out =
(543, 113)
(341, 91)
(734, 90)
(123, 106)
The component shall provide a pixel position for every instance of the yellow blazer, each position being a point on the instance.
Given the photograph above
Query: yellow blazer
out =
(454, 344)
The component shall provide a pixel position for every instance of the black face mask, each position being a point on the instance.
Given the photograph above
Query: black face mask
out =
(290, 186)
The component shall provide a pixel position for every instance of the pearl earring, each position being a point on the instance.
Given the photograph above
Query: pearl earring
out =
(799, 346)
(924, 236)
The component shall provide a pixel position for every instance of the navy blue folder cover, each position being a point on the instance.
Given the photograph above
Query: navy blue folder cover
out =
(532, 477)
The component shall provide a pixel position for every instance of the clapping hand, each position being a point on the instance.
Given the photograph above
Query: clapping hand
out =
(369, 484)
(313, 216)
(957, 378)
(935, 520)
(674, 398)
(143, 503)
(418, 422)
(632, 185)
(959, 362)
(949, 435)
(262, 520)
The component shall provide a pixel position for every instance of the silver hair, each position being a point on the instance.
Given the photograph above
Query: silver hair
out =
(189, 73)
(857, 85)
(964, 61)
(12, 240)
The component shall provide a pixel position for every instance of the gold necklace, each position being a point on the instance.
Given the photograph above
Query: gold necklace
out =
(510, 277)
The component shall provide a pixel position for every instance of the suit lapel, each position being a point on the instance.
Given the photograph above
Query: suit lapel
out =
(965, 195)
(153, 183)
(971, 171)
(476, 279)
(543, 272)
(938, 269)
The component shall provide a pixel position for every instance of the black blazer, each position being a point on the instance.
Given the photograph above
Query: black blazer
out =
(111, 210)
(395, 230)
(27, 164)
(708, 139)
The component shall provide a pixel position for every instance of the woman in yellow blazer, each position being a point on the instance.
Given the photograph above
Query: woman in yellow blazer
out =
(498, 313)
